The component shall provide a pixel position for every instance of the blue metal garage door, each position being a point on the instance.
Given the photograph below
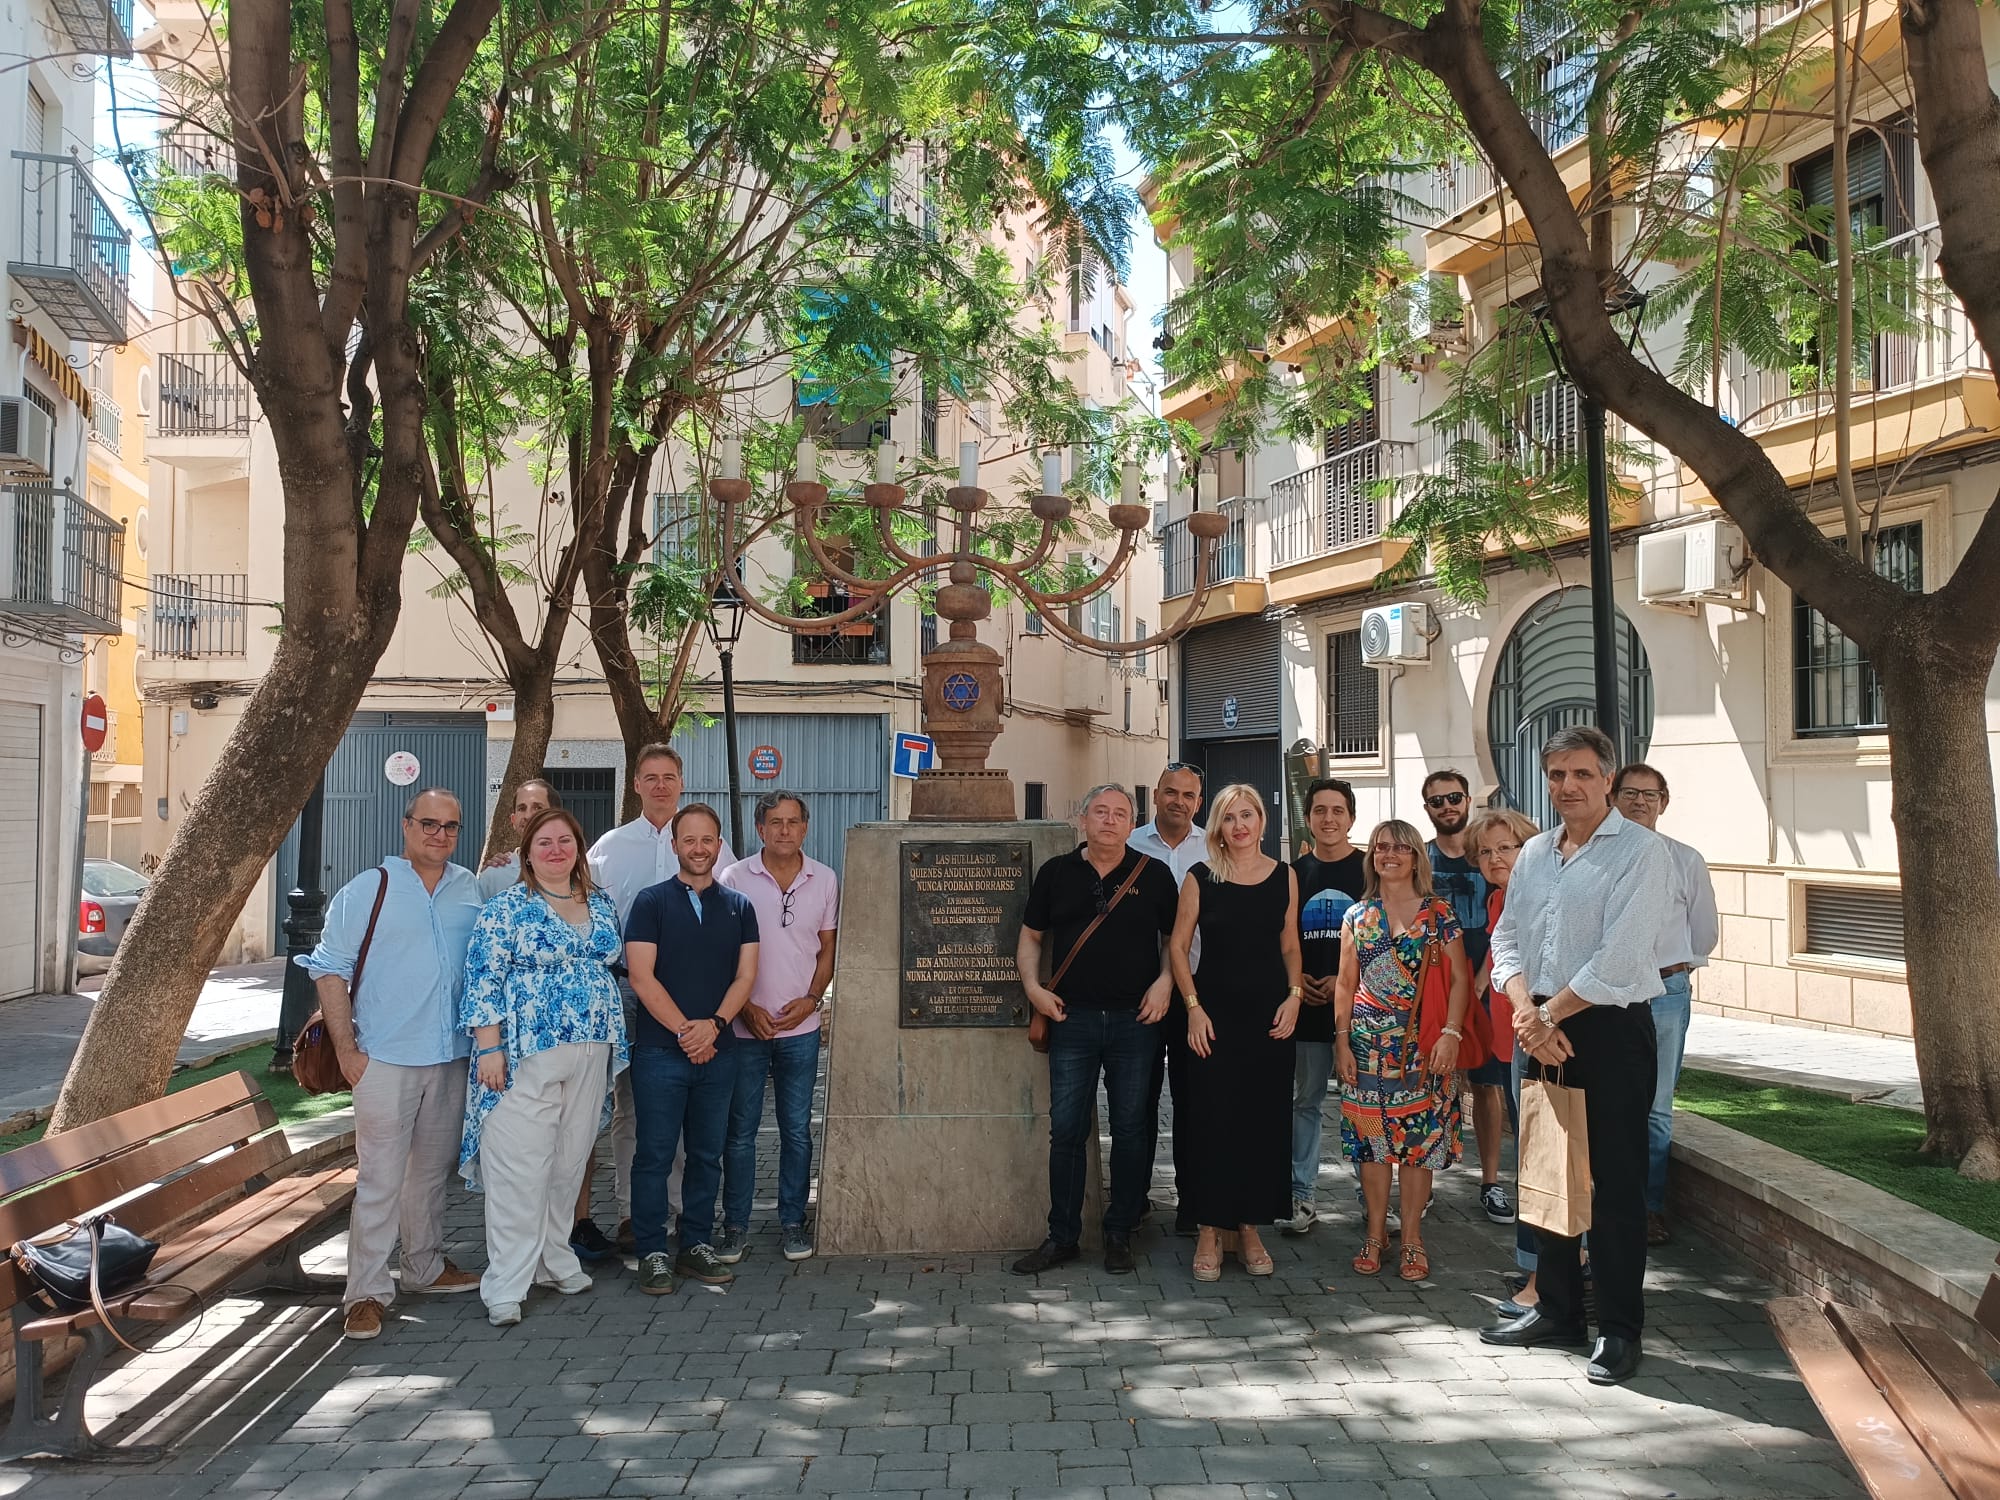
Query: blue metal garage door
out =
(838, 762)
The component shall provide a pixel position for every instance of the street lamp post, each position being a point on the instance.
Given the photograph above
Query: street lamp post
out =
(303, 927)
(1626, 299)
(725, 630)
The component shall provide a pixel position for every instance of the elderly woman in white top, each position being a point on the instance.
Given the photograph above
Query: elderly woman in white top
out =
(548, 1039)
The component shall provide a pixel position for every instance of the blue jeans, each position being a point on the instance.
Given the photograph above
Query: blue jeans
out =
(1312, 1066)
(677, 1102)
(1671, 1014)
(792, 1064)
(1527, 1250)
(1122, 1047)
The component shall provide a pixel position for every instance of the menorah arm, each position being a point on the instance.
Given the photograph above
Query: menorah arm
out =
(1165, 635)
(1126, 542)
(819, 624)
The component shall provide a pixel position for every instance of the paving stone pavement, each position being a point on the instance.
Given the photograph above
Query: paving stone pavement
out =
(947, 1378)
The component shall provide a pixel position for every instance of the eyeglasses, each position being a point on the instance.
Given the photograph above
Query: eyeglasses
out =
(1444, 799)
(785, 913)
(1494, 851)
(431, 827)
(1641, 794)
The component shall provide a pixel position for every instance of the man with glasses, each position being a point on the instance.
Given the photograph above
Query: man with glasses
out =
(1448, 803)
(403, 1053)
(1104, 912)
(1687, 937)
(777, 1035)
(1177, 841)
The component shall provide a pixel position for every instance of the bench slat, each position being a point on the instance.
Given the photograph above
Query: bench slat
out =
(217, 1251)
(40, 1208)
(1968, 1463)
(25, 1166)
(1977, 1396)
(1884, 1452)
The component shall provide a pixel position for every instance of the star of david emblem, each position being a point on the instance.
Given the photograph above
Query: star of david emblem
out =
(961, 691)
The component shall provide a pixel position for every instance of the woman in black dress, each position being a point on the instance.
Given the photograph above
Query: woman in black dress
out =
(1239, 1107)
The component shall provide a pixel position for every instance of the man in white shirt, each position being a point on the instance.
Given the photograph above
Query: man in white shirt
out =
(1179, 843)
(1688, 936)
(625, 862)
(1576, 952)
(530, 797)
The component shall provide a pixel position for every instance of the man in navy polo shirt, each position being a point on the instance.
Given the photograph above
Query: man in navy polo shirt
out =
(691, 952)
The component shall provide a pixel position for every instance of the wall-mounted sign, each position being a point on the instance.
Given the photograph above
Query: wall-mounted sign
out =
(766, 762)
(402, 768)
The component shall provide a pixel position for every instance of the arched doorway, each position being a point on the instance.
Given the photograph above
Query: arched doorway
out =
(1544, 682)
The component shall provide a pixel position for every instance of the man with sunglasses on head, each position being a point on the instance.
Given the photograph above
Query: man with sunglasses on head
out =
(403, 1052)
(777, 1035)
(1448, 803)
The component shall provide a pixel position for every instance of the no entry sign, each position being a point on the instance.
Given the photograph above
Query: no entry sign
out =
(96, 724)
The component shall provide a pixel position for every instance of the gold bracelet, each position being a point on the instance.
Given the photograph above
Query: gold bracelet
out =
(1296, 992)
(1192, 1002)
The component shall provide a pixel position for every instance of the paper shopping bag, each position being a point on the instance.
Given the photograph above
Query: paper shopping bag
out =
(1554, 1148)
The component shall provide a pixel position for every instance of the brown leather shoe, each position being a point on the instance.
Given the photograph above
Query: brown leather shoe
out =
(1658, 1231)
(623, 1239)
(451, 1279)
(364, 1319)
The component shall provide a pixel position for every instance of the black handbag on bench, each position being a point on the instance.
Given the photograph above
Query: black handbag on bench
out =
(98, 1256)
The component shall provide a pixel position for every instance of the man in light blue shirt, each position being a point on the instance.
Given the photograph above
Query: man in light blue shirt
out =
(404, 1054)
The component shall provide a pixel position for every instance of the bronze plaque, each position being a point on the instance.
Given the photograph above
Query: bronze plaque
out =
(962, 905)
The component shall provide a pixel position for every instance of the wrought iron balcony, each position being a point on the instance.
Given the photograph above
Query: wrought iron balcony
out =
(102, 28)
(107, 422)
(198, 615)
(189, 151)
(74, 257)
(1232, 552)
(1544, 431)
(1332, 505)
(202, 395)
(60, 560)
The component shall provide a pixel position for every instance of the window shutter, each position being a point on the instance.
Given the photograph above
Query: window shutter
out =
(1853, 921)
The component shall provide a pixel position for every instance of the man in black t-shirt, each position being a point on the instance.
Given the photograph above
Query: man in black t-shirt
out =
(1109, 988)
(1329, 882)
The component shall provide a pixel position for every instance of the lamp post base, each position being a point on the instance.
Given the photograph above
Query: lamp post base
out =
(962, 797)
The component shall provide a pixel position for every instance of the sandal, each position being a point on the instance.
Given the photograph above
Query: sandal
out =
(1416, 1264)
(1208, 1270)
(1259, 1265)
(1369, 1261)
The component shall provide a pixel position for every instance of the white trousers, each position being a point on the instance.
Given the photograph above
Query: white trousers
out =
(407, 1126)
(532, 1154)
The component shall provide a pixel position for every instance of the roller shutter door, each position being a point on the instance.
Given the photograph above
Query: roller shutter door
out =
(20, 846)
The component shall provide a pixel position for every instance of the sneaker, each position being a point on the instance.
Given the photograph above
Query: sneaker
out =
(1304, 1216)
(656, 1275)
(700, 1263)
(798, 1242)
(589, 1243)
(729, 1245)
(504, 1314)
(363, 1320)
(1493, 1198)
(569, 1286)
(450, 1279)
(623, 1239)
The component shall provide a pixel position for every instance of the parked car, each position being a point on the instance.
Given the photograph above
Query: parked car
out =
(111, 894)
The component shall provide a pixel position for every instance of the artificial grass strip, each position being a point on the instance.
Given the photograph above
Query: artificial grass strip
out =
(1881, 1147)
(293, 1104)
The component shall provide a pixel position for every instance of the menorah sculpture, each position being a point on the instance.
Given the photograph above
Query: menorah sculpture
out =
(963, 689)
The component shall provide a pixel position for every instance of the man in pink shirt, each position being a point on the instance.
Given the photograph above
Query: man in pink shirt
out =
(798, 908)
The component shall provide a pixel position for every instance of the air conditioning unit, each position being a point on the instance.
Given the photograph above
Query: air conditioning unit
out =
(1704, 562)
(1396, 633)
(24, 438)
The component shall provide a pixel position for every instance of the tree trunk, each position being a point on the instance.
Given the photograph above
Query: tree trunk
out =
(534, 723)
(1942, 778)
(287, 734)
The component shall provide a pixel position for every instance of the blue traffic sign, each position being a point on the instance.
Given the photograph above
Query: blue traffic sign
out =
(914, 753)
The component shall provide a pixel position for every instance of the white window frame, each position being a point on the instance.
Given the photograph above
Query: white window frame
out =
(1325, 627)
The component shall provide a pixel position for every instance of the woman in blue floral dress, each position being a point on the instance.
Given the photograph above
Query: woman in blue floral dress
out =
(548, 1041)
(1399, 1108)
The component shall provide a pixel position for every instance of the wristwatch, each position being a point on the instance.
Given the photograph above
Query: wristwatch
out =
(1548, 1020)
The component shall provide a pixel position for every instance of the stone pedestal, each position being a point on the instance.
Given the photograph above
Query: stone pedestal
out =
(937, 1137)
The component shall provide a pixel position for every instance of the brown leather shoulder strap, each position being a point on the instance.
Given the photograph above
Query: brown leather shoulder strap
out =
(1098, 920)
(368, 937)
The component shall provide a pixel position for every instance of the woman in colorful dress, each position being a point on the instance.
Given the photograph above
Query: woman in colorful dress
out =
(548, 1041)
(1399, 1108)
(1245, 905)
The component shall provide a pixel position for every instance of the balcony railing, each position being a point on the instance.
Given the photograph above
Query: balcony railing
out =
(74, 256)
(1555, 101)
(1331, 506)
(1233, 551)
(107, 422)
(202, 395)
(1546, 433)
(189, 151)
(60, 560)
(198, 615)
(1943, 344)
(102, 28)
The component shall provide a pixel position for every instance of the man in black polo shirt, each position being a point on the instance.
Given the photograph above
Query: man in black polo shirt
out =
(1105, 910)
(691, 952)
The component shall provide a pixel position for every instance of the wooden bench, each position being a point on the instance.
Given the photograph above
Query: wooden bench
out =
(200, 1171)
(1917, 1418)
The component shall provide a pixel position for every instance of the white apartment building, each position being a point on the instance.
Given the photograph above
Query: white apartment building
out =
(1765, 721)
(817, 713)
(65, 269)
